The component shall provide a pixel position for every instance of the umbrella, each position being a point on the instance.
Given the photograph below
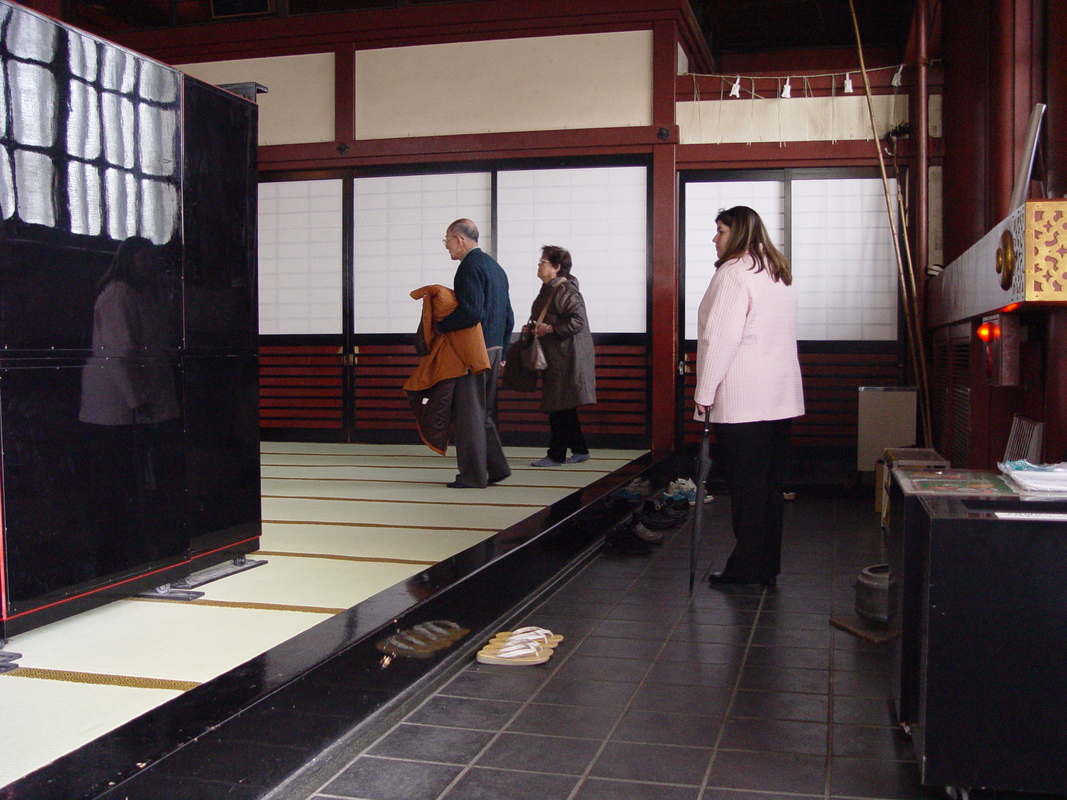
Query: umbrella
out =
(703, 465)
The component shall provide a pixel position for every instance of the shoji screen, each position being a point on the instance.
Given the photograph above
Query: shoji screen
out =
(599, 214)
(300, 257)
(839, 245)
(703, 201)
(399, 224)
(843, 260)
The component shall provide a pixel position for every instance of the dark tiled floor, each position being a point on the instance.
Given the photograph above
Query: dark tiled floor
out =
(742, 694)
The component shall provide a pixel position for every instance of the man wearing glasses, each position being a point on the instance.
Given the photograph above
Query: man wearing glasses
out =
(481, 287)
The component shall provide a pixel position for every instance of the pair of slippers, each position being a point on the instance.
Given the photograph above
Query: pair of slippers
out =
(424, 640)
(520, 648)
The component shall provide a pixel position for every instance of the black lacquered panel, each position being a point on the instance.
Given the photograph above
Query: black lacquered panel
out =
(116, 451)
(222, 450)
(83, 502)
(220, 221)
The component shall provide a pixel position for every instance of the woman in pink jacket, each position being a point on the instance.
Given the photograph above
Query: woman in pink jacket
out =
(748, 380)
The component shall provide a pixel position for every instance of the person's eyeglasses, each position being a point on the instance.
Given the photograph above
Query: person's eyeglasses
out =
(544, 261)
(446, 240)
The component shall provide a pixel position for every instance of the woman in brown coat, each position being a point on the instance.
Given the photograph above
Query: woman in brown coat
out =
(569, 380)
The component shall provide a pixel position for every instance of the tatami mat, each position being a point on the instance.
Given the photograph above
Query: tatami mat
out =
(43, 719)
(380, 543)
(309, 581)
(160, 639)
(341, 523)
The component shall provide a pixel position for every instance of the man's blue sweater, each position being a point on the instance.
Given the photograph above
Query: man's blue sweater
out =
(481, 287)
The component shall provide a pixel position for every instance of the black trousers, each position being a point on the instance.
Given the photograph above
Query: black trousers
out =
(566, 433)
(755, 458)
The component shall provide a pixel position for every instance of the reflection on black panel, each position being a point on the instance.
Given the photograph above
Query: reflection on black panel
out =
(83, 500)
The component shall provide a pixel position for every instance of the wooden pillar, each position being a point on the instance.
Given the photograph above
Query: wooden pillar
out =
(664, 333)
(966, 97)
(1002, 159)
(1055, 145)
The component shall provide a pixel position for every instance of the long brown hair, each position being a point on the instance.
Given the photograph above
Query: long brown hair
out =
(749, 235)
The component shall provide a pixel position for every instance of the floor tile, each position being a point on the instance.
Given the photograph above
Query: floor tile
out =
(591, 667)
(775, 772)
(659, 727)
(781, 705)
(654, 763)
(877, 778)
(777, 736)
(464, 712)
(603, 789)
(784, 679)
(431, 743)
(539, 753)
(576, 692)
(704, 700)
(575, 721)
(495, 784)
(868, 741)
(372, 778)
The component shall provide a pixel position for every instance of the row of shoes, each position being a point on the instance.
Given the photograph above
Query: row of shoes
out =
(523, 647)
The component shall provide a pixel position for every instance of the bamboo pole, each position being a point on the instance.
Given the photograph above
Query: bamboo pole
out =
(914, 327)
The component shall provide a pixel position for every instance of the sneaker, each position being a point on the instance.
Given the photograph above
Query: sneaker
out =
(545, 462)
(635, 490)
(577, 458)
(683, 487)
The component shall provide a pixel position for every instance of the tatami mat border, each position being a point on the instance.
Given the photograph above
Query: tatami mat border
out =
(101, 679)
(378, 525)
(245, 605)
(334, 557)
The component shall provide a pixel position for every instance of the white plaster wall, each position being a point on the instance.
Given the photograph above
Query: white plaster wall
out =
(299, 104)
(543, 83)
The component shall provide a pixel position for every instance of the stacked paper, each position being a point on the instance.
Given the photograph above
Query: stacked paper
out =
(1037, 477)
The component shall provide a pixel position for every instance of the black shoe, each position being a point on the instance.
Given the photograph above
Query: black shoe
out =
(622, 539)
(458, 485)
(720, 578)
(659, 517)
(646, 535)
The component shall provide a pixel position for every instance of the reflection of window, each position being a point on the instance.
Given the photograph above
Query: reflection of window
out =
(88, 133)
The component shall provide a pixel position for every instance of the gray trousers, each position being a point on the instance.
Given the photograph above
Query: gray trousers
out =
(479, 454)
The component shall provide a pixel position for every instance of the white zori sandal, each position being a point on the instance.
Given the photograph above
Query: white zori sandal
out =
(541, 636)
(523, 647)
(518, 654)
